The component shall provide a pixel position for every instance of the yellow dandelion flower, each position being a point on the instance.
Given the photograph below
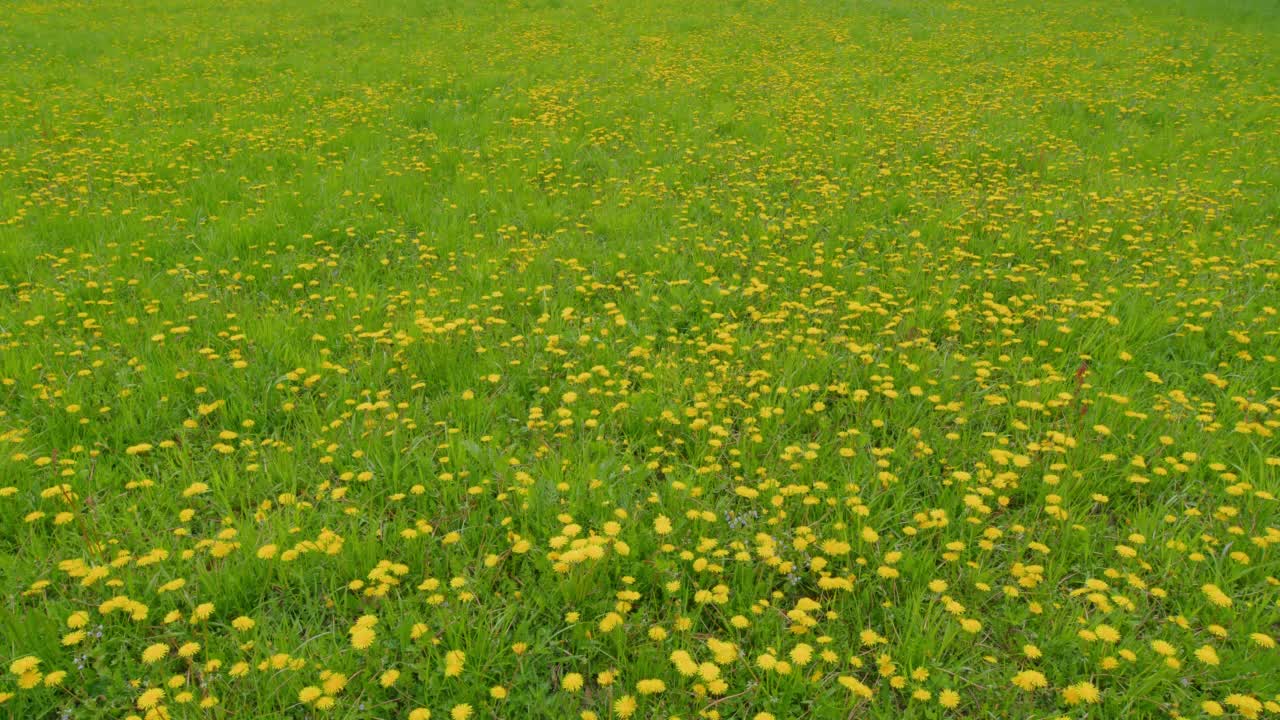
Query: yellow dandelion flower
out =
(150, 698)
(1207, 655)
(362, 638)
(1030, 680)
(650, 686)
(454, 660)
(572, 682)
(949, 699)
(662, 525)
(624, 707)
(1081, 692)
(309, 694)
(23, 665)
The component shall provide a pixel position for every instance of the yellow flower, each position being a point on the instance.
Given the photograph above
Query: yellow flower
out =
(650, 686)
(1244, 704)
(949, 698)
(334, 683)
(1030, 680)
(309, 694)
(154, 653)
(1216, 595)
(801, 654)
(202, 612)
(23, 665)
(362, 637)
(1080, 692)
(1207, 655)
(572, 682)
(856, 686)
(453, 663)
(150, 698)
(624, 707)
(460, 712)
(684, 663)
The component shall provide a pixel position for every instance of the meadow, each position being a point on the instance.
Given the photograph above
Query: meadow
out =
(668, 359)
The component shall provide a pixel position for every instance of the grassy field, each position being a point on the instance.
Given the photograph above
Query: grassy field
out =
(662, 359)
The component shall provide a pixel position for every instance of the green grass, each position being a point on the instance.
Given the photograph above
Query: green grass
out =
(935, 331)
